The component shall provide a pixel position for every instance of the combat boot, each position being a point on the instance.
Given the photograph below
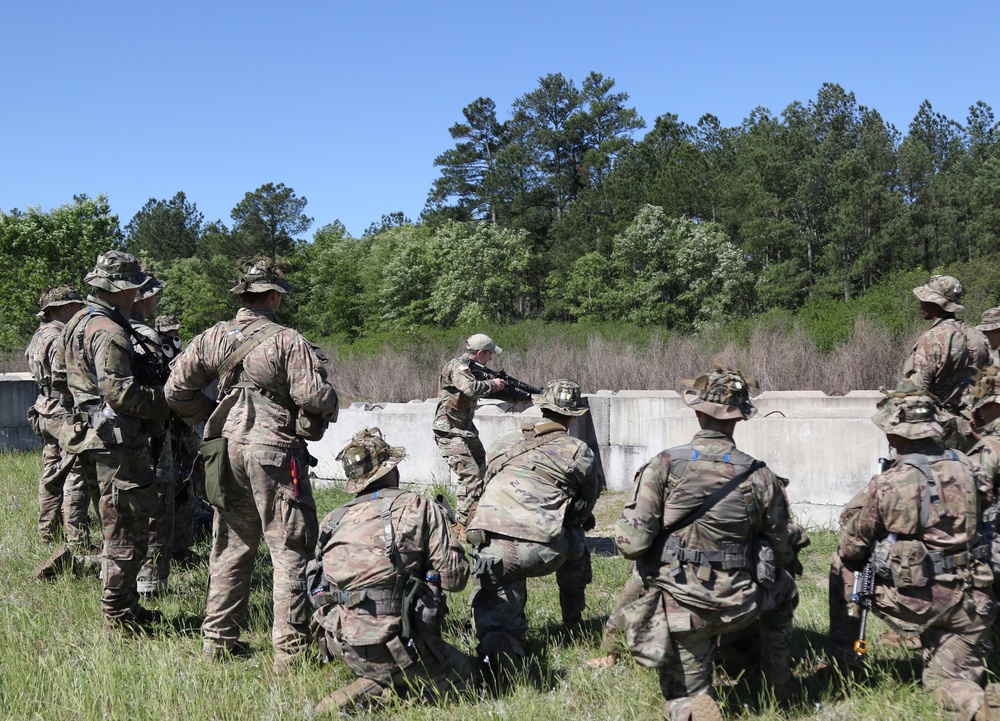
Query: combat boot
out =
(59, 562)
(362, 691)
(704, 708)
(990, 710)
(220, 652)
(137, 622)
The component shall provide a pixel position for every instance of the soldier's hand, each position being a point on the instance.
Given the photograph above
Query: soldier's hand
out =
(501, 383)
(590, 523)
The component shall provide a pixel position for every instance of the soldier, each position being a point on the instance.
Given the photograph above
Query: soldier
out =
(378, 552)
(56, 508)
(986, 452)
(990, 327)
(945, 356)
(694, 511)
(455, 430)
(532, 521)
(108, 434)
(920, 520)
(273, 396)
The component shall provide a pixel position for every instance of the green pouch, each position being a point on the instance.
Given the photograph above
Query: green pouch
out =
(215, 453)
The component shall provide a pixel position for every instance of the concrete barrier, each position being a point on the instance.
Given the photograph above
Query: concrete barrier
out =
(17, 393)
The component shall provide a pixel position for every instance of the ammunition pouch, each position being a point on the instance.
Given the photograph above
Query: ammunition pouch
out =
(34, 421)
(423, 608)
(215, 453)
(908, 563)
(105, 423)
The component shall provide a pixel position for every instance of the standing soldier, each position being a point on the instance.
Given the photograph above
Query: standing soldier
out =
(990, 327)
(63, 498)
(273, 397)
(455, 429)
(986, 452)
(946, 355)
(532, 521)
(707, 526)
(109, 433)
(387, 556)
(918, 522)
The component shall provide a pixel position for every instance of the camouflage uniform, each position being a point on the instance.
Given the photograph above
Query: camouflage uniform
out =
(63, 499)
(944, 358)
(990, 327)
(370, 549)
(697, 580)
(108, 432)
(281, 386)
(455, 430)
(541, 489)
(986, 452)
(923, 513)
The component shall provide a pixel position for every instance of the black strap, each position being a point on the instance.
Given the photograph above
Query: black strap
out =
(713, 499)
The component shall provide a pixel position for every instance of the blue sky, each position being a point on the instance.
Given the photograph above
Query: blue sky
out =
(349, 103)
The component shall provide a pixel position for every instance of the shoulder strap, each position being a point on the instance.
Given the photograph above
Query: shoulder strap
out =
(329, 526)
(930, 495)
(714, 498)
(529, 444)
(256, 333)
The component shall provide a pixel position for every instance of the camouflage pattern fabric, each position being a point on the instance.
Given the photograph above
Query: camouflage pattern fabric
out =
(62, 498)
(699, 601)
(100, 368)
(953, 611)
(456, 434)
(541, 487)
(987, 454)
(279, 378)
(354, 559)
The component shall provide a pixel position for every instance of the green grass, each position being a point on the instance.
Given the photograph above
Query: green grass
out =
(57, 661)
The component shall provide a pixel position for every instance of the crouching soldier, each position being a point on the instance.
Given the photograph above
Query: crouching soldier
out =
(918, 522)
(708, 526)
(386, 557)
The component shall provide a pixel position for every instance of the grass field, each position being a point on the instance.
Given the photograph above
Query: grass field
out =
(57, 661)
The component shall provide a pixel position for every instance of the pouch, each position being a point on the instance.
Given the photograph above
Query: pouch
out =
(423, 609)
(34, 421)
(909, 564)
(215, 453)
(765, 566)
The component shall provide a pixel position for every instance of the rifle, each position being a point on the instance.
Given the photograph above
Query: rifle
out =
(513, 383)
(861, 599)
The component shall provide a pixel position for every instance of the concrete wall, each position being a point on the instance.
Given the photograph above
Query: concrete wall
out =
(826, 445)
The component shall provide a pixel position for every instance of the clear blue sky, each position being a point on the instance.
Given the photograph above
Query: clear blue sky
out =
(349, 102)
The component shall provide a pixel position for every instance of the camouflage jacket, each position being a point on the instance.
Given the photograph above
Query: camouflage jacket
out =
(893, 503)
(534, 491)
(459, 393)
(987, 454)
(41, 356)
(943, 359)
(99, 365)
(354, 558)
(279, 377)
(667, 489)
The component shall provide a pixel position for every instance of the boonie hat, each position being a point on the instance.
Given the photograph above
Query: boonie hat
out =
(167, 322)
(115, 271)
(908, 412)
(367, 458)
(723, 394)
(481, 341)
(60, 295)
(990, 321)
(561, 396)
(942, 290)
(986, 388)
(259, 275)
(150, 286)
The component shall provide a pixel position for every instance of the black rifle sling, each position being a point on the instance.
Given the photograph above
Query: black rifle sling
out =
(717, 496)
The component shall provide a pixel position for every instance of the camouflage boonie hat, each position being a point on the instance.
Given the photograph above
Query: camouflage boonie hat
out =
(990, 321)
(167, 322)
(908, 412)
(942, 290)
(150, 286)
(258, 276)
(561, 396)
(723, 394)
(367, 458)
(60, 295)
(986, 388)
(116, 271)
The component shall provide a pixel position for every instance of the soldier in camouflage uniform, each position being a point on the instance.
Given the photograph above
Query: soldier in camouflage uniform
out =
(271, 401)
(56, 507)
(373, 550)
(920, 518)
(703, 546)
(108, 431)
(944, 358)
(989, 326)
(455, 430)
(986, 452)
(542, 485)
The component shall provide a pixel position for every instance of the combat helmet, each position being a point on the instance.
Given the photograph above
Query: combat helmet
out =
(986, 388)
(60, 295)
(909, 412)
(723, 394)
(561, 396)
(116, 271)
(942, 290)
(367, 458)
(258, 276)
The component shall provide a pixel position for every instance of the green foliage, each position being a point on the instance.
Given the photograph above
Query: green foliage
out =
(198, 292)
(164, 229)
(267, 221)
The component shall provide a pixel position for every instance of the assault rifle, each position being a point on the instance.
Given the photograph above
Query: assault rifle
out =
(513, 383)
(861, 599)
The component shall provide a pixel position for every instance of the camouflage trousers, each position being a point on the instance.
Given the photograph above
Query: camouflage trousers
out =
(128, 497)
(954, 641)
(261, 502)
(64, 498)
(500, 589)
(467, 458)
(156, 568)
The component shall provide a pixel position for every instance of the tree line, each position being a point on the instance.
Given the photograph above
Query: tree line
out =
(555, 209)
